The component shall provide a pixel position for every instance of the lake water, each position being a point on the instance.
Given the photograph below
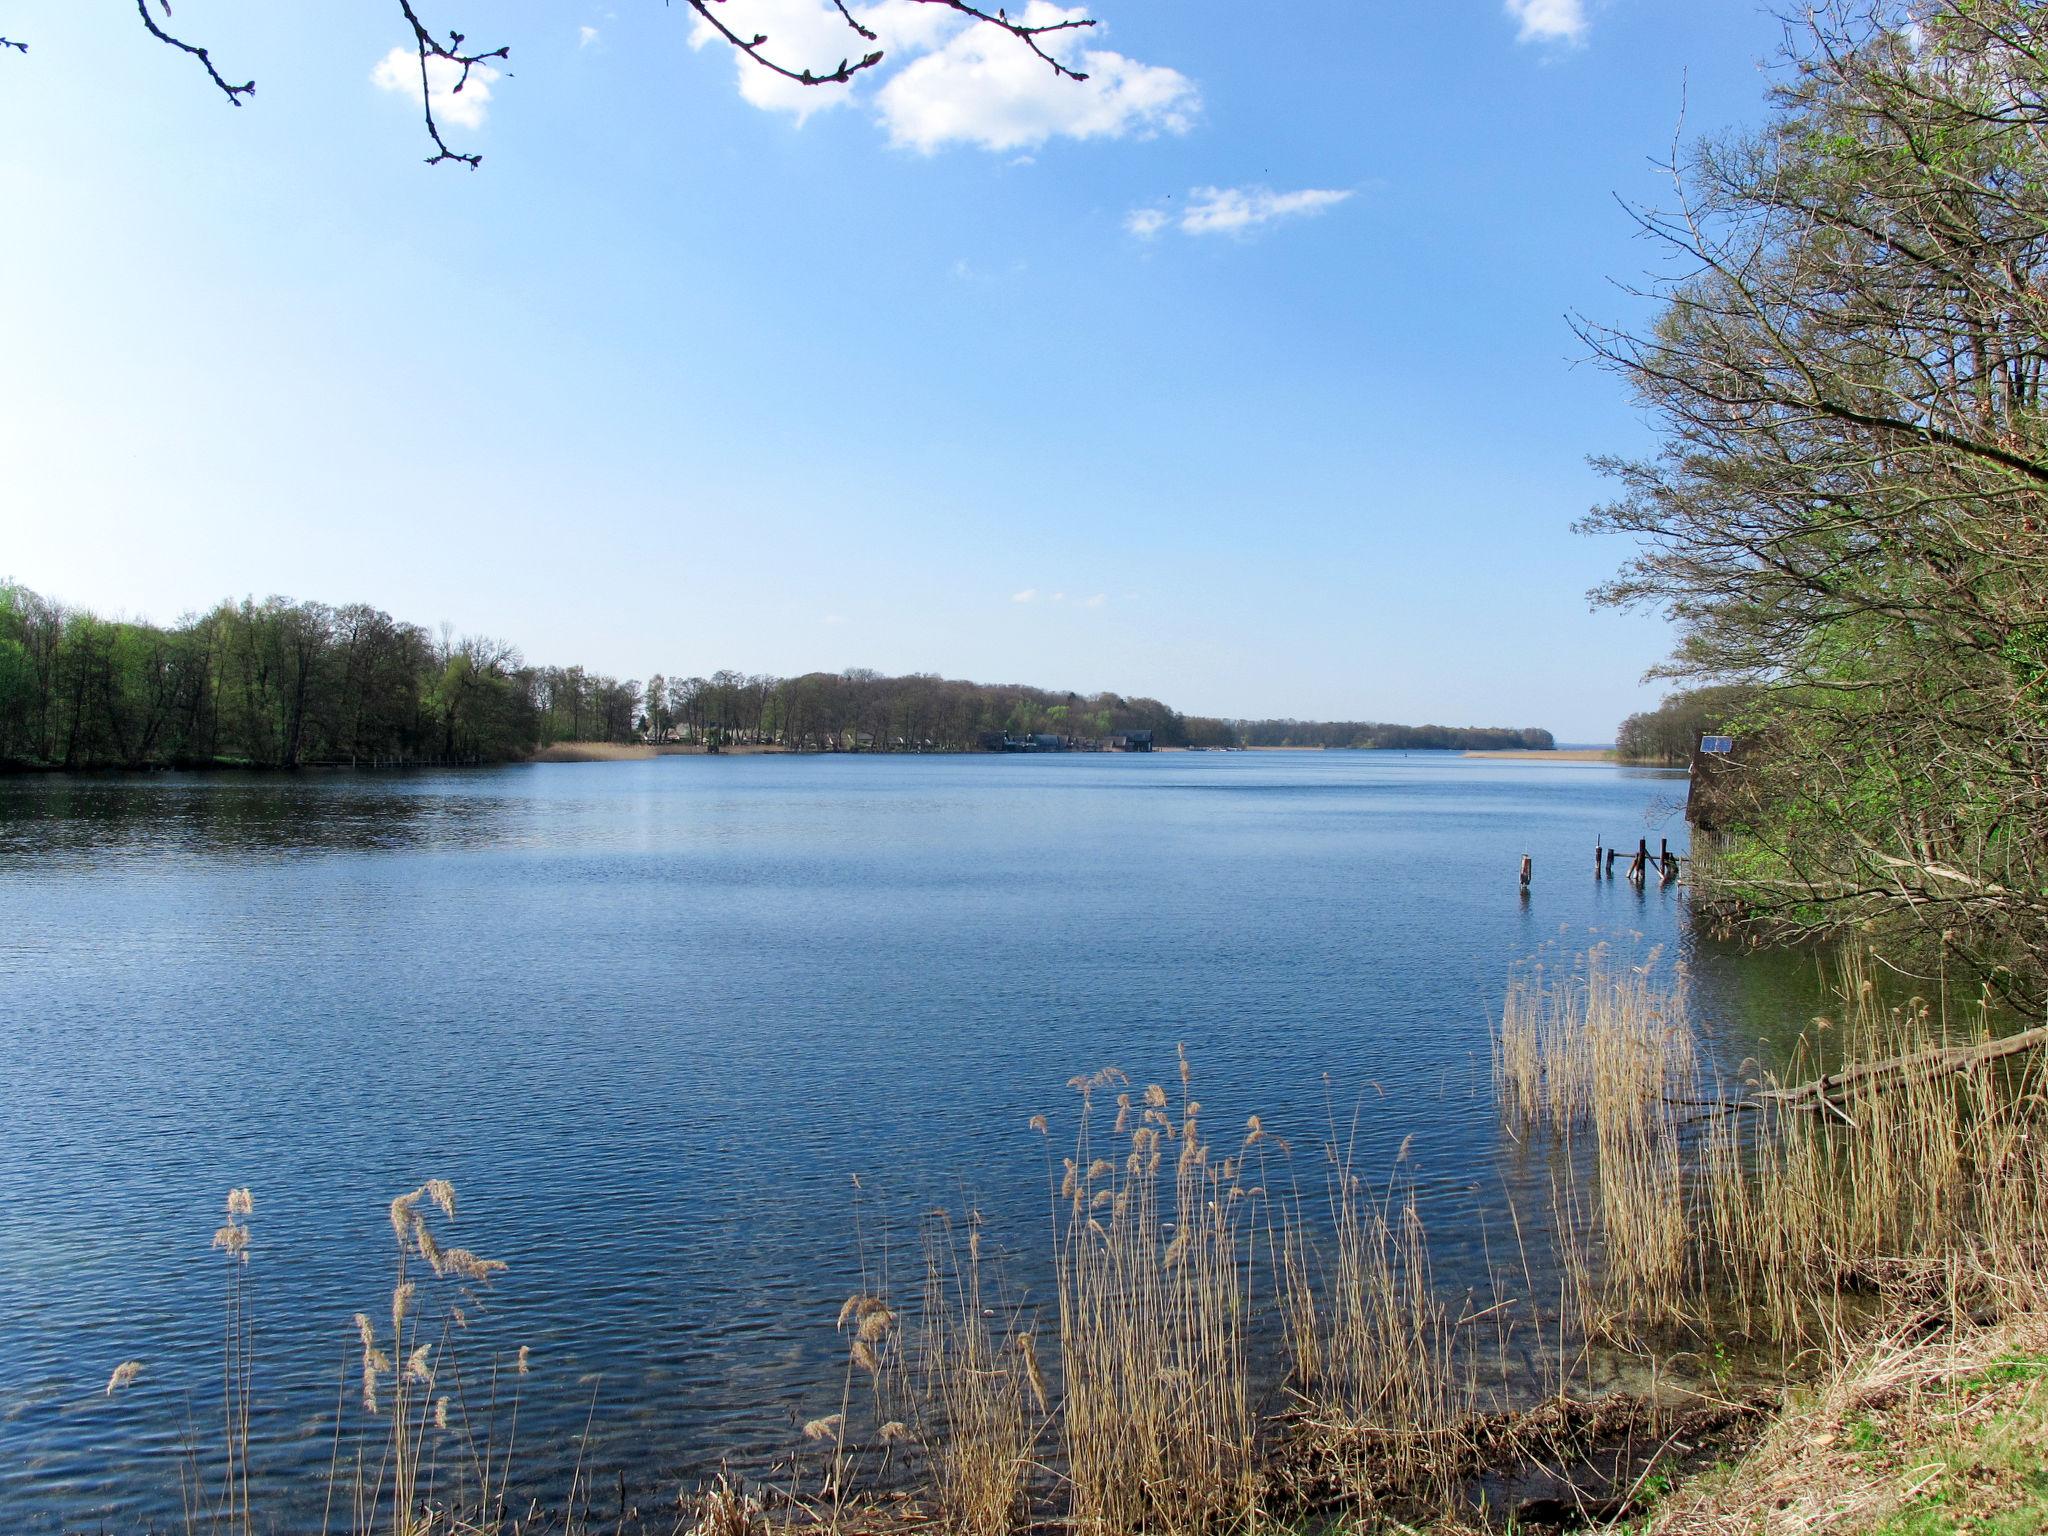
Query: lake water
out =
(652, 1019)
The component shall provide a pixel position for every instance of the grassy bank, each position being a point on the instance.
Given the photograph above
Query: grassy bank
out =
(1244, 1333)
(1925, 1431)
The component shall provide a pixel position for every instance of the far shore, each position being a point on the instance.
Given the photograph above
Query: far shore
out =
(633, 751)
(639, 751)
(1554, 755)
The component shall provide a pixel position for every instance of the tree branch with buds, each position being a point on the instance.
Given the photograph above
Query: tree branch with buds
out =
(449, 48)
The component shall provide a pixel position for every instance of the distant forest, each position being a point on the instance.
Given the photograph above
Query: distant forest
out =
(1411, 738)
(282, 684)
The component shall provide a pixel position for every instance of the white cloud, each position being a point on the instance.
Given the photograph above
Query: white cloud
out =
(963, 83)
(585, 36)
(399, 70)
(1233, 210)
(1031, 595)
(1550, 21)
(909, 26)
(985, 88)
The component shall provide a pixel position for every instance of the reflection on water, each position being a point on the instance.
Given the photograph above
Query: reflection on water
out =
(652, 1018)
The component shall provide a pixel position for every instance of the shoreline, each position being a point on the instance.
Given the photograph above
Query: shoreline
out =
(1554, 755)
(641, 751)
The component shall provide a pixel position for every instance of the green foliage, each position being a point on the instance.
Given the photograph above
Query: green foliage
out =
(1848, 516)
(1374, 734)
(1668, 733)
(284, 684)
(277, 684)
(2005, 1372)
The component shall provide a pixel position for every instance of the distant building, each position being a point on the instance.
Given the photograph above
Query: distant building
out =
(1131, 741)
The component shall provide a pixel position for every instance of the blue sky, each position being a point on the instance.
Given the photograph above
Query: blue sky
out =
(1239, 376)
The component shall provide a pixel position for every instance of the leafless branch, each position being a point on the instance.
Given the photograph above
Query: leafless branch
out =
(8, 42)
(754, 48)
(234, 93)
(853, 22)
(1027, 35)
(429, 49)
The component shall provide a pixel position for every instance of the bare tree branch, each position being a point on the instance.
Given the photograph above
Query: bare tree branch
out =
(428, 47)
(853, 22)
(234, 93)
(429, 50)
(752, 48)
(1027, 35)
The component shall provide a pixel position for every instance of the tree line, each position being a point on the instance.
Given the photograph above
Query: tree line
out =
(284, 684)
(1665, 736)
(272, 684)
(1848, 517)
(1376, 735)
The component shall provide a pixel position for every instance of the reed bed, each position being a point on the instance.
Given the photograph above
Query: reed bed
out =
(1158, 1429)
(415, 1448)
(1774, 1209)
(1605, 1052)
(1907, 1179)
(1235, 1337)
(982, 1397)
(1382, 1404)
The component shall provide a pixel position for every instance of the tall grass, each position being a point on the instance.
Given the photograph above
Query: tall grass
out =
(1921, 1178)
(1374, 1368)
(1769, 1211)
(982, 1393)
(1606, 1052)
(1155, 1246)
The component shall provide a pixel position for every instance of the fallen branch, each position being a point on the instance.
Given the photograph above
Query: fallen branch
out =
(1822, 1092)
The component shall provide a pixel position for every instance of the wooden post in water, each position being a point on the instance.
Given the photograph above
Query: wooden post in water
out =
(1610, 863)
(1528, 869)
(1598, 853)
(1638, 866)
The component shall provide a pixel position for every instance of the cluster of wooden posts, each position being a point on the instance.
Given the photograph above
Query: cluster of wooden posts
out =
(1639, 862)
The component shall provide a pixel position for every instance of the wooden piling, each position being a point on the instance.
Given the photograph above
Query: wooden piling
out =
(1528, 869)
(1598, 853)
(1639, 865)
